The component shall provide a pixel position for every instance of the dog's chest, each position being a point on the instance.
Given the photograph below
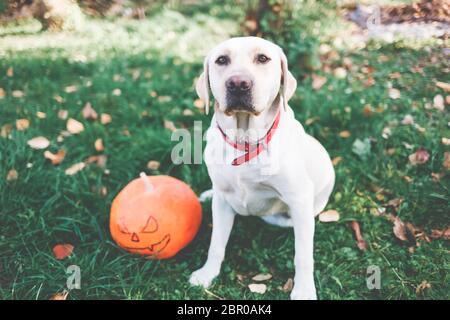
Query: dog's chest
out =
(250, 195)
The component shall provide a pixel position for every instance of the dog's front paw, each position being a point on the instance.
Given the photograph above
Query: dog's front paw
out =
(303, 293)
(202, 277)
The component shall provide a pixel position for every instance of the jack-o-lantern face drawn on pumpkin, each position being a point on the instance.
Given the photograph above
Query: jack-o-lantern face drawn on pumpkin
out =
(142, 240)
(156, 221)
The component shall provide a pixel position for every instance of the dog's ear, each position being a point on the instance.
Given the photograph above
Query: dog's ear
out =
(202, 85)
(288, 82)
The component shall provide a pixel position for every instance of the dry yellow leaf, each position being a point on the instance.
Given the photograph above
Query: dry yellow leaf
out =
(12, 175)
(60, 296)
(88, 112)
(17, 93)
(262, 277)
(399, 229)
(153, 165)
(74, 126)
(22, 124)
(55, 158)
(10, 72)
(99, 145)
(63, 114)
(444, 86)
(258, 288)
(198, 103)
(41, 115)
(105, 118)
(318, 81)
(74, 169)
(329, 216)
(38, 143)
(71, 89)
(394, 93)
(169, 125)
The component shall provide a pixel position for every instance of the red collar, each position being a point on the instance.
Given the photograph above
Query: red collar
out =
(252, 150)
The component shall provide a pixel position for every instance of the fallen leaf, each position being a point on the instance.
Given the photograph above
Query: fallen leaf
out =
(100, 160)
(336, 160)
(436, 177)
(386, 133)
(318, 81)
(10, 72)
(117, 92)
(169, 125)
(55, 158)
(367, 109)
(446, 162)
(6, 130)
(399, 229)
(60, 296)
(444, 86)
(422, 286)
(2, 93)
(287, 287)
(438, 102)
(22, 124)
(58, 99)
(164, 98)
(262, 277)
(12, 175)
(310, 121)
(105, 118)
(199, 104)
(41, 115)
(437, 234)
(445, 141)
(61, 251)
(88, 112)
(71, 89)
(345, 134)
(63, 114)
(153, 165)
(17, 93)
(74, 126)
(362, 244)
(38, 143)
(99, 145)
(421, 156)
(407, 120)
(258, 288)
(329, 216)
(188, 112)
(394, 93)
(395, 203)
(340, 73)
(74, 169)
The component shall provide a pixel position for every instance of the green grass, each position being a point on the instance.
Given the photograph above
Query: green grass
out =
(44, 206)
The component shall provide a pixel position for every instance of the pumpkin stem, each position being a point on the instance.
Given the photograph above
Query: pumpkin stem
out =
(148, 185)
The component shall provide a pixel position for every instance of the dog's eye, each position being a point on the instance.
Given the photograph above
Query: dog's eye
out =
(222, 60)
(261, 58)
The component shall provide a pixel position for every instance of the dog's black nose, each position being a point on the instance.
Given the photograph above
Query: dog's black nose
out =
(239, 84)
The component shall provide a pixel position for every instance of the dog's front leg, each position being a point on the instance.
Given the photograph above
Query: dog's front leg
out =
(223, 218)
(301, 211)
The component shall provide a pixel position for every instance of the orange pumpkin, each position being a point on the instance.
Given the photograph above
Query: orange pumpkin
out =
(155, 216)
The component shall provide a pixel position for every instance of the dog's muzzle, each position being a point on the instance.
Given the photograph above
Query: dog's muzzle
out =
(239, 94)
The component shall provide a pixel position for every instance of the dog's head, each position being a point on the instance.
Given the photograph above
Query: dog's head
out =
(245, 74)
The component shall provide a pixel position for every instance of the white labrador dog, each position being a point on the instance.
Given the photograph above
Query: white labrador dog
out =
(259, 158)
